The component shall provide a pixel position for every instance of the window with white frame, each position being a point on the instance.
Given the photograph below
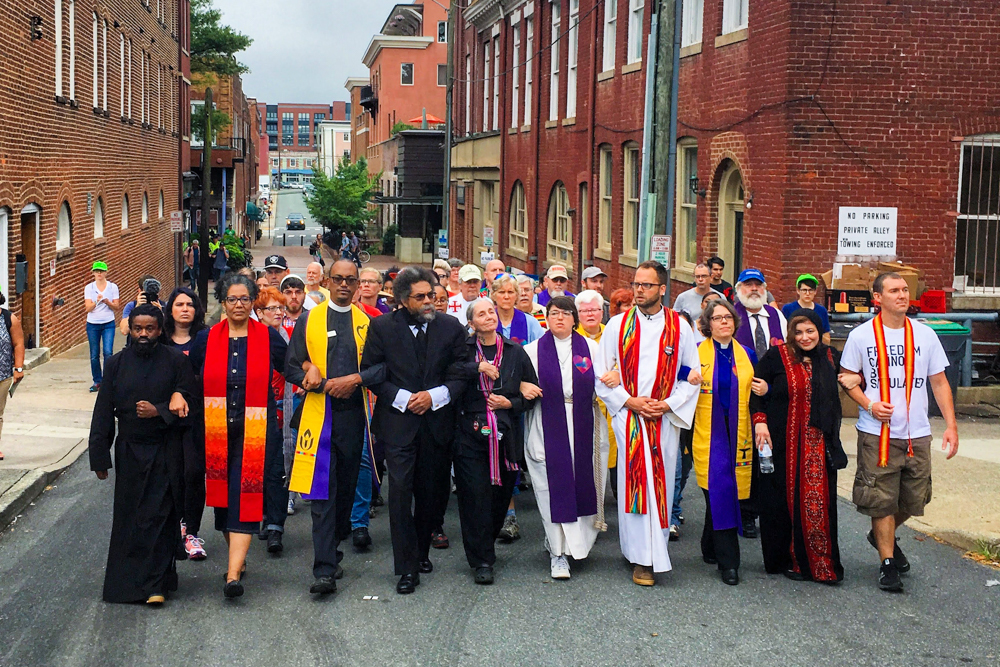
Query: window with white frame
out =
(99, 218)
(630, 218)
(691, 20)
(529, 59)
(515, 111)
(554, 62)
(406, 74)
(124, 211)
(468, 94)
(64, 231)
(59, 47)
(97, 61)
(145, 208)
(606, 168)
(142, 86)
(560, 237)
(159, 96)
(687, 204)
(442, 32)
(635, 10)
(442, 78)
(129, 74)
(518, 219)
(734, 15)
(572, 54)
(610, 33)
(121, 75)
(160, 208)
(496, 84)
(977, 248)
(104, 67)
(72, 50)
(486, 86)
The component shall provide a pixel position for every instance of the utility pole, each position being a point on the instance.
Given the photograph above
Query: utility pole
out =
(446, 198)
(205, 268)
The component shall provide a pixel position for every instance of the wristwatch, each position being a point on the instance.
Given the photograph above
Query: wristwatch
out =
(19, 369)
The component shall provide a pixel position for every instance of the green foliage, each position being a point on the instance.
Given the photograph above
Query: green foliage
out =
(340, 203)
(389, 240)
(988, 550)
(399, 127)
(214, 46)
(220, 121)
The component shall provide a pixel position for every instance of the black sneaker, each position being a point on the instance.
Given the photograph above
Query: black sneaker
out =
(902, 564)
(888, 576)
(274, 545)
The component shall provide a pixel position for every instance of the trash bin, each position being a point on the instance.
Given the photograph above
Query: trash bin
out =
(954, 338)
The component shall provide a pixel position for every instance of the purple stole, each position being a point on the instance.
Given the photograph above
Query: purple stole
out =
(744, 335)
(722, 490)
(571, 478)
(518, 328)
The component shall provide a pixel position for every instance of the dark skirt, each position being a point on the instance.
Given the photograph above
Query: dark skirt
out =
(227, 519)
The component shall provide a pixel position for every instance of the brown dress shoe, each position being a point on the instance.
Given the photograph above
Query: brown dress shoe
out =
(643, 575)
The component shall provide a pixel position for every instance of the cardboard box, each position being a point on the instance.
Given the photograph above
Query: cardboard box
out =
(912, 282)
(848, 300)
(899, 267)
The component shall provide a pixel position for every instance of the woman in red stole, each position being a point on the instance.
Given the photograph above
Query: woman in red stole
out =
(799, 417)
(237, 357)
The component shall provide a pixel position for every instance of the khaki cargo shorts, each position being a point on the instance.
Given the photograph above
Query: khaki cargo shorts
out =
(902, 486)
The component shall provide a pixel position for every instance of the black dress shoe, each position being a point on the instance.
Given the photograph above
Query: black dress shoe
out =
(426, 566)
(750, 530)
(484, 575)
(323, 586)
(377, 501)
(339, 574)
(711, 560)
(730, 577)
(274, 545)
(233, 589)
(407, 584)
(362, 540)
(794, 576)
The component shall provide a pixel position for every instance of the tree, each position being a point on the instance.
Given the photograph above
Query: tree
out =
(214, 46)
(340, 202)
(220, 121)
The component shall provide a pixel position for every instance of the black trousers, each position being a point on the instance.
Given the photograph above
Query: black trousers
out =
(482, 507)
(723, 545)
(331, 518)
(194, 476)
(419, 484)
(275, 488)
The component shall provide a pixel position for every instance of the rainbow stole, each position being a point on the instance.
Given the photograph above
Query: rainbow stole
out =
(882, 366)
(254, 421)
(311, 464)
(666, 374)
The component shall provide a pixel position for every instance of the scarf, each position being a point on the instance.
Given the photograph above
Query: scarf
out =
(313, 448)
(569, 468)
(666, 374)
(486, 386)
(254, 420)
(518, 327)
(744, 335)
(882, 366)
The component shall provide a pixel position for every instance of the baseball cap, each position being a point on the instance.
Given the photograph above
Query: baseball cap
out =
(751, 274)
(290, 280)
(275, 262)
(557, 271)
(99, 266)
(807, 278)
(469, 272)
(592, 272)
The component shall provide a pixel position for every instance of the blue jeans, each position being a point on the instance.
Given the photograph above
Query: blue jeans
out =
(96, 334)
(360, 515)
(684, 464)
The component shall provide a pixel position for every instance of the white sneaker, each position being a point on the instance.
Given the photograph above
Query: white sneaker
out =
(291, 505)
(559, 567)
(195, 547)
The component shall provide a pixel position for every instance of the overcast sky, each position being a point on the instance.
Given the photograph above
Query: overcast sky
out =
(303, 50)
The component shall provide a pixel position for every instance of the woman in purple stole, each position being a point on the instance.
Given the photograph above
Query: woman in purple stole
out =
(512, 324)
(566, 444)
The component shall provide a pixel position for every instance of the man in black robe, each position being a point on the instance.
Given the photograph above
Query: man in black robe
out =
(145, 389)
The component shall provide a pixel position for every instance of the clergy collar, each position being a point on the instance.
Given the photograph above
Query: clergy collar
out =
(657, 315)
(339, 309)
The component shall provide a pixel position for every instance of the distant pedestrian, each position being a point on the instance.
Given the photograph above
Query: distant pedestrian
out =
(690, 300)
(192, 258)
(355, 246)
(101, 300)
(345, 246)
(221, 264)
(805, 287)
(11, 355)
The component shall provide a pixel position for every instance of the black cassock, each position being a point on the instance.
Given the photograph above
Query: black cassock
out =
(149, 465)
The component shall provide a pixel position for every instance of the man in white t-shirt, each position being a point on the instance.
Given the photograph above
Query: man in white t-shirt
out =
(469, 280)
(893, 480)
(101, 301)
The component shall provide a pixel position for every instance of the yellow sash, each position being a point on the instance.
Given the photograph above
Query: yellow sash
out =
(701, 446)
(314, 409)
(613, 453)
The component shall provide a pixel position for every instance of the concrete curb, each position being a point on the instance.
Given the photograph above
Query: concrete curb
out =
(20, 495)
(35, 357)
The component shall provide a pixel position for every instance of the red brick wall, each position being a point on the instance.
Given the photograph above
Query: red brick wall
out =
(52, 152)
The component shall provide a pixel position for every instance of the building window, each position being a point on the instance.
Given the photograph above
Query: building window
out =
(486, 87)
(468, 95)
(121, 74)
(635, 31)
(97, 61)
(560, 241)
(691, 22)
(977, 267)
(610, 33)
(64, 232)
(687, 204)
(518, 219)
(145, 208)
(104, 68)
(72, 50)
(406, 74)
(59, 47)
(605, 170)
(442, 75)
(554, 62)
(160, 208)
(125, 212)
(442, 32)
(529, 59)
(496, 84)
(734, 15)
(99, 218)
(128, 71)
(515, 112)
(630, 221)
(571, 57)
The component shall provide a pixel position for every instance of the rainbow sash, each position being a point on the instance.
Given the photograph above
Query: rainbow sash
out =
(882, 366)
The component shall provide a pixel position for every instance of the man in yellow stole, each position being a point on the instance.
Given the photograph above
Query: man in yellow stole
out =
(323, 358)
(648, 345)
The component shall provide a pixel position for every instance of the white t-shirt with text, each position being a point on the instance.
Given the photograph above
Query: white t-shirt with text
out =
(102, 313)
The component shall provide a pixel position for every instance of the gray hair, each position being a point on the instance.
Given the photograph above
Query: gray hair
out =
(455, 263)
(705, 320)
(405, 279)
(589, 296)
(231, 279)
(472, 306)
(501, 281)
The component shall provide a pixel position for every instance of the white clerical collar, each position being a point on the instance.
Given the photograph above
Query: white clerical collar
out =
(762, 312)
(339, 309)
(652, 318)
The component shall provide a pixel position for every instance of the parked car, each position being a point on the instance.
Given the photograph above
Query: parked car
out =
(295, 221)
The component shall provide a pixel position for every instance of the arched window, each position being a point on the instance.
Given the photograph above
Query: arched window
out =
(99, 218)
(64, 232)
(518, 219)
(160, 209)
(125, 212)
(145, 208)
(560, 236)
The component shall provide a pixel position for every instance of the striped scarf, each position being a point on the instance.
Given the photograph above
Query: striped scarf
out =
(882, 367)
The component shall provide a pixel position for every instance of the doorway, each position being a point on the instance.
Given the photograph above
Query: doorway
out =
(29, 298)
(731, 222)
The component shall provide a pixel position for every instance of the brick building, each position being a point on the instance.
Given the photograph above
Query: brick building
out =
(788, 111)
(89, 152)
(293, 135)
(357, 87)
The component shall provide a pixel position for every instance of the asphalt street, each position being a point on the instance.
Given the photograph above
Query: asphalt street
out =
(292, 201)
(51, 613)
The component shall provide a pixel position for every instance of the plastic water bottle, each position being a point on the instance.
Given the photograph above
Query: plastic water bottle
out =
(766, 461)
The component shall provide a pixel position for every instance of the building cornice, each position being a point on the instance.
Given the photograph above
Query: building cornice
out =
(380, 42)
(485, 13)
(356, 82)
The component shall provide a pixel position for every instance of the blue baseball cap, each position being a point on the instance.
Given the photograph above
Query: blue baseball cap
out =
(751, 274)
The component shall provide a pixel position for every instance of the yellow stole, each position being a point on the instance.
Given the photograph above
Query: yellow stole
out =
(313, 442)
(701, 446)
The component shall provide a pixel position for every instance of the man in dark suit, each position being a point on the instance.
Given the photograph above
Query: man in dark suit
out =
(414, 415)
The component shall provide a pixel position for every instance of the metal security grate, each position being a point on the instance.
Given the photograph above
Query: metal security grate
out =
(977, 245)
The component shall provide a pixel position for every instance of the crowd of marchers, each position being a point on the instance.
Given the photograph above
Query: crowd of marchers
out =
(316, 390)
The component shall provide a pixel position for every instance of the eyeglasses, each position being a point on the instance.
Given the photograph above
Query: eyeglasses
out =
(559, 313)
(369, 281)
(424, 296)
(242, 300)
(273, 309)
(645, 286)
(722, 318)
(557, 280)
(441, 276)
(591, 311)
(350, 280)
(440, 299)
